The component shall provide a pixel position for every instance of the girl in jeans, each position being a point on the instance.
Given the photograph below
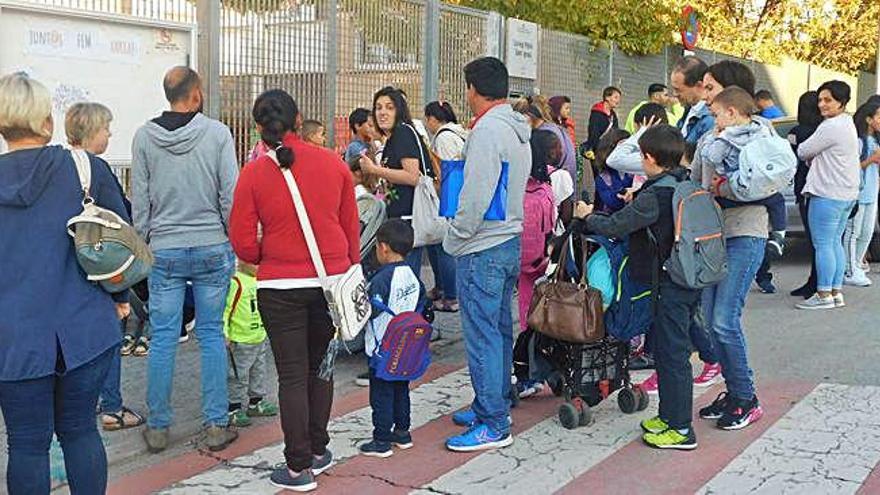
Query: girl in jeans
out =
(289, 294)
(448, 144)
(63, 332)
(860, 231)
(833, 185)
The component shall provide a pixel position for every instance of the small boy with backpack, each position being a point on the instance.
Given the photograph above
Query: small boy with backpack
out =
(396, 329)
(248, 350)
(725, 152)
(649, 224)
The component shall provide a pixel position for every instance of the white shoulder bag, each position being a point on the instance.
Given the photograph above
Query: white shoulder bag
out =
(347, 297)
(429, 227)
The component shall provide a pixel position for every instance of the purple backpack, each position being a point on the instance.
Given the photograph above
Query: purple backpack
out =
(404, 353)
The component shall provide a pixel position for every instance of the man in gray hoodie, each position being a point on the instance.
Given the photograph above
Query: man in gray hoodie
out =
(184, 171)
(487, 252)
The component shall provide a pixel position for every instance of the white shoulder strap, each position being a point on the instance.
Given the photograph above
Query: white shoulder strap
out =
(304, 223)
(421, 148)
(84, 170)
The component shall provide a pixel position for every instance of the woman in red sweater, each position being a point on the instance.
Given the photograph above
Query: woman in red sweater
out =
(290, 299)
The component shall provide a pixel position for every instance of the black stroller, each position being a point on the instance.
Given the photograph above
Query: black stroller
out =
(586, 374)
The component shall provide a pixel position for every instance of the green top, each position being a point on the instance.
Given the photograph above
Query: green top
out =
(241, 319)
(673, 115)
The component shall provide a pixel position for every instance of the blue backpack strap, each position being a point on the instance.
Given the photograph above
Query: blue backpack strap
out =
(382, 306)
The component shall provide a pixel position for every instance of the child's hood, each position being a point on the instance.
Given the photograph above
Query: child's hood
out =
(741, 135)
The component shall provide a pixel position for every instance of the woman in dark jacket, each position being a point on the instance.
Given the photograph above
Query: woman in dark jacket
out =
(59, 331)
(809, 119)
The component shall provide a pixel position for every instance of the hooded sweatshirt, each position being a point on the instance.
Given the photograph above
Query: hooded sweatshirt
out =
(48, 306)
(721, 153)
(183, 181)
(449, 141)
(568, 159)
(601, 120)
(501, 135)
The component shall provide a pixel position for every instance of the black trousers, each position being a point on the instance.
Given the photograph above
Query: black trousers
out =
(676, 307)
(803, 209)
(299, 329)
(391, 407)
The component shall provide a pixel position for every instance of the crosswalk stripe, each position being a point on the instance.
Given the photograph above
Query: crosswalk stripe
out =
(166, 473)
(828, 443)
(249, 473)
(426, 461)
(546, 457)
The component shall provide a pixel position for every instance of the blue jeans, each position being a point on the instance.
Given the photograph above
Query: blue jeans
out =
(414, 260)
(111, 392)
(444, 271)
(64, 404)
(827, 218)
(723, 307)
(485, 282)
(209, 268)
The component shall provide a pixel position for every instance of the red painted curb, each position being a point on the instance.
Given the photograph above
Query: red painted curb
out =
(427, 461)
(871, 484)
(637, 468)
(192, 463)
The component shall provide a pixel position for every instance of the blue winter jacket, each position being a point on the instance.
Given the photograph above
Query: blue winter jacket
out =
(51, 318)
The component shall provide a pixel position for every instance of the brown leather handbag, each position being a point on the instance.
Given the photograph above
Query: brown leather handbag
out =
(567, 311)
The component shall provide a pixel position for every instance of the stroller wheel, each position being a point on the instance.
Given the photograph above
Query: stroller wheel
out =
(644, 398)
(627, 400)
(569, 416)
(585, 414)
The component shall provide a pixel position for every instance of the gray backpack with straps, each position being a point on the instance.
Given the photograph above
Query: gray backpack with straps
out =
(699, 253)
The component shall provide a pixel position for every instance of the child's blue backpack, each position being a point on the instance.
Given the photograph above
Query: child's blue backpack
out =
(404, 353)
(631, 310)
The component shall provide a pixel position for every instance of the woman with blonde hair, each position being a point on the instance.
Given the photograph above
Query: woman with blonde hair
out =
(61, 330)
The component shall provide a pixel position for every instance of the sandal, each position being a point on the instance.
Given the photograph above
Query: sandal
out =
(141, 349)
(122, 420)
(127, 344)
(434, 295)
(446, 306)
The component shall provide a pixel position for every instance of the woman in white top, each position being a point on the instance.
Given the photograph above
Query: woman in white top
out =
(833, 185)
(448, 143)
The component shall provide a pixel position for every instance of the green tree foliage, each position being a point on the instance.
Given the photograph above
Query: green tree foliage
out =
(637, 26)
(837, 34)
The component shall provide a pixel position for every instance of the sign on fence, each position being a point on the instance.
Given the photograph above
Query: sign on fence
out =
(522, 49)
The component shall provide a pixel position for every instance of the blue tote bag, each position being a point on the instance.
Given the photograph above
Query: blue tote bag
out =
(451, 182)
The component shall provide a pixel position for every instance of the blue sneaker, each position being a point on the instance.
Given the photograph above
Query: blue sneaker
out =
(479, 437)
(466, 418)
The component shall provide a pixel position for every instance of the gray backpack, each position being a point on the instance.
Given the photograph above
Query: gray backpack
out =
(699, 254)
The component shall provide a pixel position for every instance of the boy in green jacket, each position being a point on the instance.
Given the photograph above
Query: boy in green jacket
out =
(248, 349)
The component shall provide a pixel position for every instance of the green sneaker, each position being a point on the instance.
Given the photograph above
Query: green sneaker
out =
(239, 418)
(654, 425)
(262, 408)
(671, 439)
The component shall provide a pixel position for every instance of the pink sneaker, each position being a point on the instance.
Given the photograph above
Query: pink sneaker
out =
(650, 384)
(711, 374)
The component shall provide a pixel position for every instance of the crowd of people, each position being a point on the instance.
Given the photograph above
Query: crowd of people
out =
(229, 245)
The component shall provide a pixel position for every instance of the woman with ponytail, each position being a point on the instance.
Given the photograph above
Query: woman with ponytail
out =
(289, 293)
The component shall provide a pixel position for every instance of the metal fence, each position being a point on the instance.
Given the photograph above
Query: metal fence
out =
(332, 55)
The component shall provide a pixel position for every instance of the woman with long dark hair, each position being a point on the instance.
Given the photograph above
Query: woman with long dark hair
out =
(860, 229)
(403, 159)
(808, 118)
(833, 185)
(290, 298)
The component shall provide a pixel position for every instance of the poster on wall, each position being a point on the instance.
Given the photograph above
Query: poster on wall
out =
(522, 49)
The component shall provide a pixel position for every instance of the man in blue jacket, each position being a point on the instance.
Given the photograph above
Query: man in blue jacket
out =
(487, 252)
(687, 83)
